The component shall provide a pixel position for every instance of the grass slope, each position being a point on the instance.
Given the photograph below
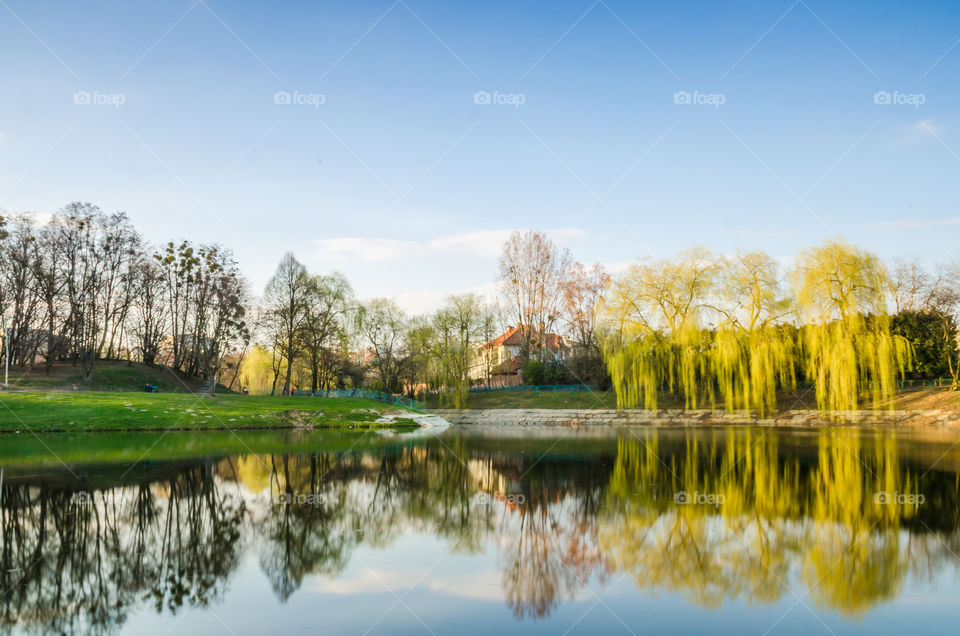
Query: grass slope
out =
(109, 375)
(106, 411)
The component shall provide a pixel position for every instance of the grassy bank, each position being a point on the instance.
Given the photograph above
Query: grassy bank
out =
(802, 398)
(110, 411)
(534, 400)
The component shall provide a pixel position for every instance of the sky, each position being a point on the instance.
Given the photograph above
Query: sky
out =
(400, 142)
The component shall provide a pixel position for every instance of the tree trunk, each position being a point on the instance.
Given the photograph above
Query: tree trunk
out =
(50, 337)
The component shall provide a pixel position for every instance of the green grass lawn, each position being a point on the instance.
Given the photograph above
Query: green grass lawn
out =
(106, 411)
(536, 400)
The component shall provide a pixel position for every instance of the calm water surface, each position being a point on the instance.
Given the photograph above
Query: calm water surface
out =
(643, 531)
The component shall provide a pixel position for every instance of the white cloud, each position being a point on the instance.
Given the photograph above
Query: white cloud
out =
(484, 243)
(40, 218)
(923, 130)
(420, 273)
(913, 224)
(488, 243)
(615, 268)
(481, 244)
(366, 250)
(421, 302)
(481, 584)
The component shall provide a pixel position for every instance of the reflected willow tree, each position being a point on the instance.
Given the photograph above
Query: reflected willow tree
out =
(684, 547)
(707, 327)
(831, 516)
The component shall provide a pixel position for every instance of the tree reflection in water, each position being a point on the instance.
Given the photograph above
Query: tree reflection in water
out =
(787, 511)
(72, 563)
(823, 513)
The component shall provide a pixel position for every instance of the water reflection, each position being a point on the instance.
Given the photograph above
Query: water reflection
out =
(711, 515)
(74, 563)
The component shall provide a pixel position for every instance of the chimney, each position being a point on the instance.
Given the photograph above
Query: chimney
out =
(509, 327)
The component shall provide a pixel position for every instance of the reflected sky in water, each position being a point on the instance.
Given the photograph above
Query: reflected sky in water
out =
(735, 530)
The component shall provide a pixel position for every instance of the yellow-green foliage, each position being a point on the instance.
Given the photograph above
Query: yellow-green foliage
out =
(847, 345)
(770, 511)
(748, 366)
(255, 371)
(705, 327)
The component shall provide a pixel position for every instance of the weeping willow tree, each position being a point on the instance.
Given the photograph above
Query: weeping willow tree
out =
(847, 347)
(700, 325)
(753, 352)
(653, 325)
(708, 327)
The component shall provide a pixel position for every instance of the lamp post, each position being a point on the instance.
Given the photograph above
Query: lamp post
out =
(6, 359)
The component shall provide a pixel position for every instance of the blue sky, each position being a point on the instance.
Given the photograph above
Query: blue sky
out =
(400, 180)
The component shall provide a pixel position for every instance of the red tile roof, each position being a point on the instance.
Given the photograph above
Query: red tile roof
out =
(512, 338)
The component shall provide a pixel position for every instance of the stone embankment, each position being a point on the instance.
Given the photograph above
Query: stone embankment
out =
(599, 418)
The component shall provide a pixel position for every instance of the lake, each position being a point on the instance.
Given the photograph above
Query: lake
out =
(726, 530)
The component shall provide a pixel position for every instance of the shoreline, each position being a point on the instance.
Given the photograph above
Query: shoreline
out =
(610, 418)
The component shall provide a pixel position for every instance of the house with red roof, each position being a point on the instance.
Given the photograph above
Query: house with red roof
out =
(502, 356)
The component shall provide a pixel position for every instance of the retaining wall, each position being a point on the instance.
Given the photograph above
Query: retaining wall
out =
(576, 418)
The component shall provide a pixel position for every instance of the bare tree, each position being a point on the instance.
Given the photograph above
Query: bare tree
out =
(327, 301)
(50, 281)
(97, 254)
(531, 273)
(383, 325)
(286, 296)
(150, 311)
(17, 266)
(582, 290)
(913, 287)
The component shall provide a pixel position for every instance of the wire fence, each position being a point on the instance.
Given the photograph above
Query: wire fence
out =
(531, 387)
(379, 396)
(936, 383)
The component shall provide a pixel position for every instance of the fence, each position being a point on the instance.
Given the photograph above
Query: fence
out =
(531, 387)
(379, 396)
(939, 382)
(902, 384)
